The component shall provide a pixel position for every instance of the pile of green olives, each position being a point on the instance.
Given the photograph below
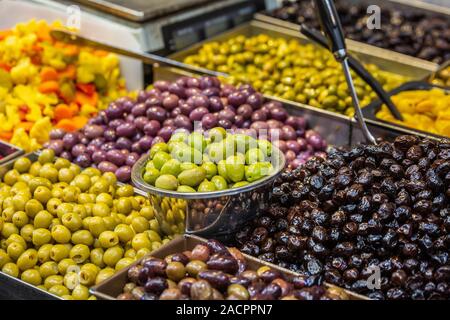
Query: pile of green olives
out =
(64, 229)
(288, 69)
(215, 161)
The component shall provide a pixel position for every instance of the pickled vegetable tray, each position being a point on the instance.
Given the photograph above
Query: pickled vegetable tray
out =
(370, 111)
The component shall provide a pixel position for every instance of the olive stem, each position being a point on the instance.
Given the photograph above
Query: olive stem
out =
(355, 101)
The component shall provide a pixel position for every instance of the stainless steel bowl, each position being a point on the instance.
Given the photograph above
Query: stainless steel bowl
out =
(218, 213)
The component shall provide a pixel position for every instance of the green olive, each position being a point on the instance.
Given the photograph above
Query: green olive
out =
(171, 167)
(168, 181)
(160, 158)
(206, 186)
(192, 177)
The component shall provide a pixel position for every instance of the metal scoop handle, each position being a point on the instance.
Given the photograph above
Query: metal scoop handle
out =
(331, 25)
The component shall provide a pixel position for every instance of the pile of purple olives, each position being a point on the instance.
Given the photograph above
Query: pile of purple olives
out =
(114, 140)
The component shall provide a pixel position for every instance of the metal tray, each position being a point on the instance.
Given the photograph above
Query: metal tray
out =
(412, 5)
(385, 59)
(9, 151)
(336, 129)
(371, 110)
(112, 287)
(15, 288)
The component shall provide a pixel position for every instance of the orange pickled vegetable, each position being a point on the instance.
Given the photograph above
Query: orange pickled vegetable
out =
(48, 74)
(63, 111)
(69, 72)
(49, 87)
(5, 33)
(6, 135)
(82, 98)
(72, 124)
(87, 88)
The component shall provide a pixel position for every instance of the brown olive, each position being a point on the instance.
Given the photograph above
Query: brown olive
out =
(194, 267)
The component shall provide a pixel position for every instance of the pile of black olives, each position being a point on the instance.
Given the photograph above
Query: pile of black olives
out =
(210, 271)
(414, 33)
(382, 206)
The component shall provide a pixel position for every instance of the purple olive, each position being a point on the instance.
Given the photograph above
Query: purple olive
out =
(280, 144)
(123, 174)
(139, 110)
(108, 146)
(182, 121)
(189, 92)
(154, 92)
(296, 122)
(142, 96)
(156, 113)
(211, 92)
(198, 113)
(293, 145)
(275, 133)
(140, 122)
(137, 136)
(131, 159)
(186, 108)
(177, 90)
(227, 89)
(126, 130)
(290, 155)
(226, 114)
(145, 143)
(209, 121)
(245, 110)
(136, 148)
(288, 133)
(170, 102)
(78, 149)
(97, 119)
(66, 155)
(199, 101)
(97, 142)
(224, 123)
(236, 99)
(152, 128)
(169, 122)
(152, 102)
(296, 163)
(115, 123)
(156, 140)
(259, 125)
(272, 123)
(215, 104)
(123, 143)
(175, 112)
(238, 121)
(316, 141)
(99, 156)
(90, 149)
(278, 114)
(110, 134)
(114, 111)
(83, 160)
(193, 82)
(129, 118)
(255, 100)
(161, 85)
(209, 82)
(166, 132)
(116, 157)
(70, 139)
(320, 154)
(57, 133)
(128, 106)
(302, 143)
(56, 145)
(106, 166)
(259, 115)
